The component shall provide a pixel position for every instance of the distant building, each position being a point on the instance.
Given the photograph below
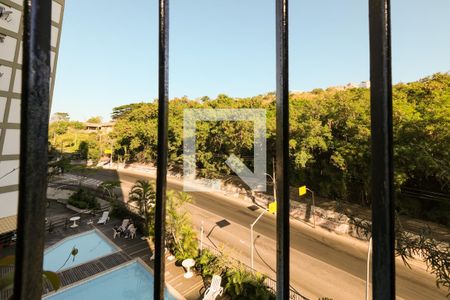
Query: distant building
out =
(11, 28)
(351, 85)
(365, 84)
(103, 127)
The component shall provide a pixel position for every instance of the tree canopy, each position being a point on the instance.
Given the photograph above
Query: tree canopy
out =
(95, 120)
(329, 139)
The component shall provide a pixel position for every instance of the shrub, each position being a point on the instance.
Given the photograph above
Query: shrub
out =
(181, 237)
(186, 245)
(209, 264)
(243, 284)
(239, 282)
(83, 199)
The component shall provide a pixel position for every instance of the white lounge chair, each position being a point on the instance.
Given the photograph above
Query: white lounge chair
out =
(214, 289)
(104, 218)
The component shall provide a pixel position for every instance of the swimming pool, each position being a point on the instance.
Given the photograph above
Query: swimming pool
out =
(90, 245)
(129, 281)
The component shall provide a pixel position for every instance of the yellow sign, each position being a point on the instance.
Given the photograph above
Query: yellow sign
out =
(108, 151)
(273, 207)
(302, 190)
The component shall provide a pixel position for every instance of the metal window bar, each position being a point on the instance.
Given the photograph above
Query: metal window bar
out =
(33, 149)
(383, 271)
(161, 175)
(282, 148)
(34, 131)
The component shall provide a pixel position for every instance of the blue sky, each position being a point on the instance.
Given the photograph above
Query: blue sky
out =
(108, 53)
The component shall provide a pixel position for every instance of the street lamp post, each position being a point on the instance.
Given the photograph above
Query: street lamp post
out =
(259, 217)
(274, 187)
(314, 206)
(369, 252)
(251, 234)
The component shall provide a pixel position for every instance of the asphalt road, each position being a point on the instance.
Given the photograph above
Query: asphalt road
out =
(322, 264)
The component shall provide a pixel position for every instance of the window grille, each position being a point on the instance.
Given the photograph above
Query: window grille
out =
(34, 130)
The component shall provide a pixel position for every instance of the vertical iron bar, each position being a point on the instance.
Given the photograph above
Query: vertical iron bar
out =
(282, 150)
(33, 149)
(383, 275)
(161, 176)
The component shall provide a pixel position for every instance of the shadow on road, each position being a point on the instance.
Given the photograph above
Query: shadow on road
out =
(260, 257)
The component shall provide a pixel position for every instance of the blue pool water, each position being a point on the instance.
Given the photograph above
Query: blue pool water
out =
(90, 246)
(132, 281)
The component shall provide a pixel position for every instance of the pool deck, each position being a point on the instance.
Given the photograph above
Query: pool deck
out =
(191, 289)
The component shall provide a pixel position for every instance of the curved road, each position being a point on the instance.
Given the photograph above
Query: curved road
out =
(323, 264)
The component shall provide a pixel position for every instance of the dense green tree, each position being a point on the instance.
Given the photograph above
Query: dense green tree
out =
(96, 120)
(123, 110)
(329, 140)
(60, 116)
(329, 137)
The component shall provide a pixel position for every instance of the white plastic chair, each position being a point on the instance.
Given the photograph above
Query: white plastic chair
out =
(116, 233)
(133, 233)
(214, 289)
(124, 225)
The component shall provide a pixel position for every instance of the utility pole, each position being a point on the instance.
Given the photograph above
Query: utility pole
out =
(274, 185)
(314, 207)
(302, 191)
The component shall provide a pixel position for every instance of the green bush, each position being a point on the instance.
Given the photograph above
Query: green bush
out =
(83, 199)
(209, 264)
(243, 284)
(78, 204)
(239, 282)
(186, 245)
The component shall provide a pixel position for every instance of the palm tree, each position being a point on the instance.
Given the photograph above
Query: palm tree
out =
(108, 188)
(179, 225)
(176, 218)
(144, 194)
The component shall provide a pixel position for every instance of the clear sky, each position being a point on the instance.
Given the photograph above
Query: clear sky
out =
(108, 54)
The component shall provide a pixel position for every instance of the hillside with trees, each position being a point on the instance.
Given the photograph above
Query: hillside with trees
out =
(72, 138)
(329, 141)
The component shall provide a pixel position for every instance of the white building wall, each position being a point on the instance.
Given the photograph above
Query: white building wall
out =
(10, 98)
(8, 203)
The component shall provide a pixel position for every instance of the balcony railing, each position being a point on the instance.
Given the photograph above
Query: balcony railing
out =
(34, 128)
